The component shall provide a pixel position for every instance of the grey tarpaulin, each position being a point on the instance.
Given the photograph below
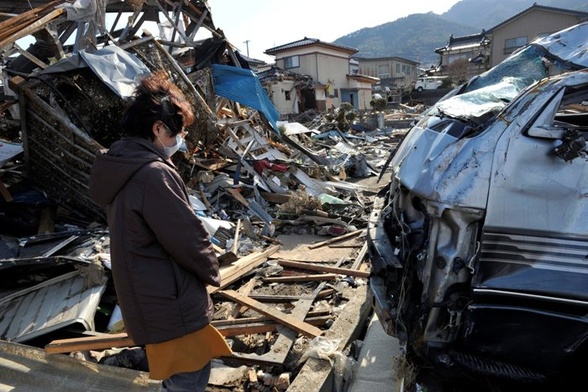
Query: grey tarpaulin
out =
(241, 85)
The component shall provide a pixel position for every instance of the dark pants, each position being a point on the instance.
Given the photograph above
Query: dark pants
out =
(188, 382)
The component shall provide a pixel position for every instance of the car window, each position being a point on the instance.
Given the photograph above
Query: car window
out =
(566, 111)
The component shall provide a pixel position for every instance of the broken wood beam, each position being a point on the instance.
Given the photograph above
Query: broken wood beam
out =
(282, 318)
(323, 268)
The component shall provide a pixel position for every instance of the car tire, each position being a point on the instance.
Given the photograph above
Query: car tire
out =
(420, 89)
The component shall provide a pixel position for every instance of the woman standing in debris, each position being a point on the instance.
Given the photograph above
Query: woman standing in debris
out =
(162, 259)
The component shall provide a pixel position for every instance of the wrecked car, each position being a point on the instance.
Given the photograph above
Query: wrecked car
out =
(479, 246)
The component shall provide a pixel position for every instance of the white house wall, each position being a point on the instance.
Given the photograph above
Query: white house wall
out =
(277, 94)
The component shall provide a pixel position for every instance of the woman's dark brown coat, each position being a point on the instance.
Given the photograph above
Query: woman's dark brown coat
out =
(161, 255)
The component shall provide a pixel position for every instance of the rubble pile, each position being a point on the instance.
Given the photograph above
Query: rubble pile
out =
(283, 202)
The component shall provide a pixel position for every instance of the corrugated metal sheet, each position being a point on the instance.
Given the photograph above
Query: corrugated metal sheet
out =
(68, 299)
(25, 368)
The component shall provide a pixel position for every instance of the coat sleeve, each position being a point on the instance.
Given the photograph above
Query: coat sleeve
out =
(169, 214)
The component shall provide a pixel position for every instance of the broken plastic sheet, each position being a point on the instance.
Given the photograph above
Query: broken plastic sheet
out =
(118, 69)
(241, 85)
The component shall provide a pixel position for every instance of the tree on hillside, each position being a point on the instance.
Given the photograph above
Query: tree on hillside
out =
(458, 71)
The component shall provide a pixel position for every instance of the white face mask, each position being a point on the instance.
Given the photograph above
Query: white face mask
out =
(169, 151)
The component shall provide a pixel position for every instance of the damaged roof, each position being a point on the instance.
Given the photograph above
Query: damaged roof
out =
(309, 42)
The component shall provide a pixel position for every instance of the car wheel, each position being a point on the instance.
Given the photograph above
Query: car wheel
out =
(420, 89)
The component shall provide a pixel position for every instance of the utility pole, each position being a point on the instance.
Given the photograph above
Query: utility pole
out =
(246, 42)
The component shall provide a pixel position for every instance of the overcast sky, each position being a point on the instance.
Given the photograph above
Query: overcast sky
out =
(269, 23)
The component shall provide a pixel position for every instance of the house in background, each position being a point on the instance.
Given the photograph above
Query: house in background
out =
(524, 27)
(329, 67)
(470, 55)
(255, 64)
(290, 92)
(395, 73)
(465, 56)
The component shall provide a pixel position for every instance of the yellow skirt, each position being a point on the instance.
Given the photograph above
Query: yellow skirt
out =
(186, 354)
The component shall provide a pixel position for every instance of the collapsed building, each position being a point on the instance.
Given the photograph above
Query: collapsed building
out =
(267, 191)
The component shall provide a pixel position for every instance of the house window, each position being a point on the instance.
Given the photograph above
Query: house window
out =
(383, 71)
(397, 68)
(452, 58)
(512, 44)
(291, 62)
(288, 95)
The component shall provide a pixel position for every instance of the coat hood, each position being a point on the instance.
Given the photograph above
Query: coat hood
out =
(112, 170)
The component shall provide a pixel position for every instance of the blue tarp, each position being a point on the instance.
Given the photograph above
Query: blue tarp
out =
(241, 85)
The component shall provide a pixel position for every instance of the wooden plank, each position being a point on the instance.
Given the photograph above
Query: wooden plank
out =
(282, 318)
(336, 239)
(29, 56)
(235, 248)
(275, 298)
(260, 319)
(245, 290)
(243, 326)
(39, 24)
(361, 255)
(324, 268)
(242, 267)
(316, 372)
(237, 196)
(300, 278)
(89, 343)
(264, 326)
